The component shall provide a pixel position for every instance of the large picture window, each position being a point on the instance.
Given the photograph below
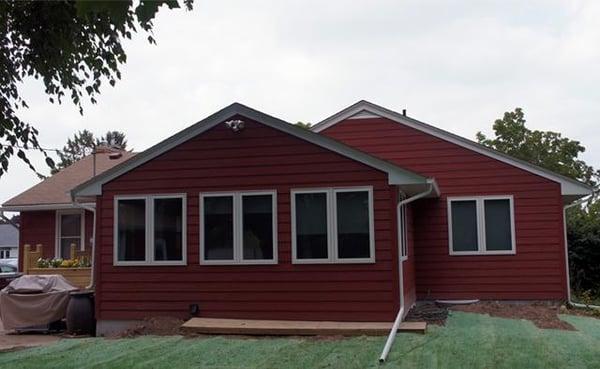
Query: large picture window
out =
(150, 230)
(481, 225)
(238, 228)
(69, 231)
(332, 225)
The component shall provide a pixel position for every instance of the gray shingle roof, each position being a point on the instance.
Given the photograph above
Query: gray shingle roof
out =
(9, 235)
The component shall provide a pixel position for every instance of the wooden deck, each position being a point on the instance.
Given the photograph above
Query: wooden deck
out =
(295, 327)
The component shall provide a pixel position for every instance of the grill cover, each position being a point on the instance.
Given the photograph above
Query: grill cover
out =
(32, 300)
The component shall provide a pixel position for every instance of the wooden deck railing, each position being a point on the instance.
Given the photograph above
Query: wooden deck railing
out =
(80, 277)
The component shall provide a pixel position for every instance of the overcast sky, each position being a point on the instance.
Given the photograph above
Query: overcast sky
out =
(454, 64)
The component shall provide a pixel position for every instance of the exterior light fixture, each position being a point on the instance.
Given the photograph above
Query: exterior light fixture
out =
(236, 125)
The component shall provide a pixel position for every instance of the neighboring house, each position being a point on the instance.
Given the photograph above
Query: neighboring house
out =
(49, 216)
(248, 216)
(9, 243)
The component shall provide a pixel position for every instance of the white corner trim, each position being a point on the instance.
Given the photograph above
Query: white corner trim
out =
(568, 185)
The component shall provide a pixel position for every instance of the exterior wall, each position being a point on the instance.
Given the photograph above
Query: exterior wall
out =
(408, 266)
(256, 158)
(537, 271)
(39, 227)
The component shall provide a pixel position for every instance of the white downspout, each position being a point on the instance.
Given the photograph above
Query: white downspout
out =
(392, 336)
(93, 243)
(569, 301)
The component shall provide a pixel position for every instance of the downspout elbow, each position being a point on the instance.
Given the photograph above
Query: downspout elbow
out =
(392, 336)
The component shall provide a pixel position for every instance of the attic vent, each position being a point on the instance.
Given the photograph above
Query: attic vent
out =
(363, 114)
(115, 155)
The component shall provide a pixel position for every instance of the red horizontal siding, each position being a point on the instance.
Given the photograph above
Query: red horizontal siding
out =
(535, 272)
(257, 158)
(39, 227)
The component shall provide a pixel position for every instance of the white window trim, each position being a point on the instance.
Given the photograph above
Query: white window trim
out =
(149, 260)
(479, 201)
(332, 242)
(238, 255)
(58, 230)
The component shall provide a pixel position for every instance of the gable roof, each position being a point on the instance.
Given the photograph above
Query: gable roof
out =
(365, 109)
(396, 175)
(53, 192)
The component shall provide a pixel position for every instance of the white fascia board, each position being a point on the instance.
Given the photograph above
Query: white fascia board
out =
(43, 207)
(568, 186)
(396, 175)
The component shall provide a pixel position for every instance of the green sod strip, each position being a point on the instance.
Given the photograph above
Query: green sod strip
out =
(467, 341)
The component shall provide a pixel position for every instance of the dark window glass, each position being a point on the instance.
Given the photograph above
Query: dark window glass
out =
(70, 225)
(498, 235)
(353, 235)
(168, 229)
(70, 234)
(131, 237)
(464, 225)
(311, 225)
(218, 228)
(257, 227)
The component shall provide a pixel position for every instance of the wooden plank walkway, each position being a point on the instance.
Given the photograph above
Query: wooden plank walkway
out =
(295, 327)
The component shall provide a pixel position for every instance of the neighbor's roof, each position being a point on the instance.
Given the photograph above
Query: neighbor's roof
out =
(365, 109)
(53, 192)
(396, 175)
(9, 235)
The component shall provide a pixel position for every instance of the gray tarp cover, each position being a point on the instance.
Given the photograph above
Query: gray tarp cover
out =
(34, 300)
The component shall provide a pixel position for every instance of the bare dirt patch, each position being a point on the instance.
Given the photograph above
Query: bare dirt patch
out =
(543, 314)
(587, 312)
(156, 326)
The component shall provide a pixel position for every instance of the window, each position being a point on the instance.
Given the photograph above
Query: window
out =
(5, 253)
(332, 225)
(481, 225)
(69, 231)
(238, 228)
(150, 229)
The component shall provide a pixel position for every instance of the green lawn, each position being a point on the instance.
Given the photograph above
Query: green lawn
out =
(467, 341)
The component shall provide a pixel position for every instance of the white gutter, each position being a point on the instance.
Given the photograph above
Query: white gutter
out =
(567, 271)
(93, 243)
(16, 208)
(392, 336)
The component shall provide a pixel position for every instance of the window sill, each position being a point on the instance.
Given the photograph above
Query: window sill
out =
(330, 262)
(483, 253)
(232, 262)
(149, 263)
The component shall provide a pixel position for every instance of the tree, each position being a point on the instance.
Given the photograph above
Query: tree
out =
(583, 224)
(72, 47)
(83, 143)
(303, 125)
(552, 151)
(544, 148)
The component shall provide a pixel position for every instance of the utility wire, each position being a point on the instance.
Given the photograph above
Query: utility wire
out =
(31, 148)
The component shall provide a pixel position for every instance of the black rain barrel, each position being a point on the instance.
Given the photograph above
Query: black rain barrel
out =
(80, 313)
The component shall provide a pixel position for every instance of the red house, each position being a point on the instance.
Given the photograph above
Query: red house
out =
(248, 216)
